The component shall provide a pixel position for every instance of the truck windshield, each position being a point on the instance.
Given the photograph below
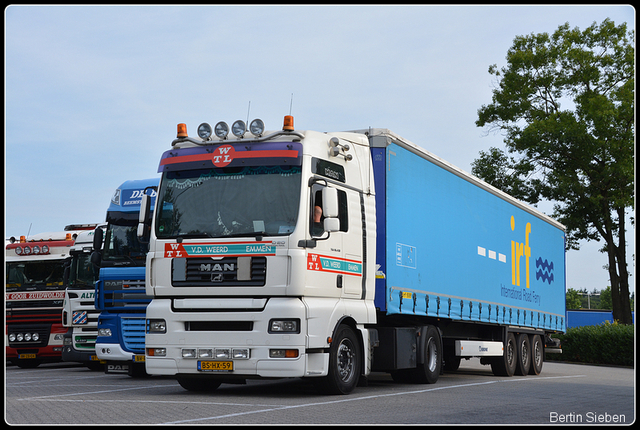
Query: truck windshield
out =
(122, 247)
(32, 275)
(229, 201)
(82, 275)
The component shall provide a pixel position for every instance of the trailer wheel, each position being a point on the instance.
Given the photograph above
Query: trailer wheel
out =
(428, 372)
(198, 384)
(344, 363)
(506, 365)
(524, 354)
(537, 354)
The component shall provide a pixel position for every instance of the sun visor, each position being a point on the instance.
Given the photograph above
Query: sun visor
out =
(227, 155)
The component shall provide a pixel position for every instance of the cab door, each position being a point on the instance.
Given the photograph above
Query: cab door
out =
(336, 260)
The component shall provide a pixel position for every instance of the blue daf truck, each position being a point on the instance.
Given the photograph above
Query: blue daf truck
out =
(120, 291)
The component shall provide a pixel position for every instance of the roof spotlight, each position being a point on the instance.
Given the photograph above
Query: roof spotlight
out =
(256, 127)
(221, 130)
(204, 131)
(238, 128)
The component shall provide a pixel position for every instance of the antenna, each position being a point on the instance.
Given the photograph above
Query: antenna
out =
(29, 230)
(248, 109)
(291, 104)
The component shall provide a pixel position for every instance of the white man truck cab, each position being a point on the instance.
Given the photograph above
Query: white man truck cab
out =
(250, 280)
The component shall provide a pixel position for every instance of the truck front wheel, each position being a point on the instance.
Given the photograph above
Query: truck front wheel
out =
(195, 384)
(344, 363)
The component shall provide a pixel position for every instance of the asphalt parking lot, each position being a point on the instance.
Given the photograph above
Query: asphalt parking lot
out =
(66, 393)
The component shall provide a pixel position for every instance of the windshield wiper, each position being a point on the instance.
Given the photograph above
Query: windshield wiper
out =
(257, 234)
(181, 236)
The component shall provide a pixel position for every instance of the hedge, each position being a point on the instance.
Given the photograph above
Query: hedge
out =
(606, 343)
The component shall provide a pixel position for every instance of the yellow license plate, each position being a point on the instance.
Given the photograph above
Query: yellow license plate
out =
(215, 366)
(22, 356)
(138, 358)
(94, 358)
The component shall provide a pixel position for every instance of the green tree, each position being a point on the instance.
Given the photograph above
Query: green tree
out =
(565, 104)
(605, 299)
(573, 299)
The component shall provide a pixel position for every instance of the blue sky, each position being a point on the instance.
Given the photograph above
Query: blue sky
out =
(93, 93)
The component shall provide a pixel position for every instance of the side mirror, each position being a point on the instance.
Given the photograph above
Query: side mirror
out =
(98, 236)
(331, 224)
(96, 259)
(96, 255)
(330, 209)
(330, 202)
(65, 276)
(143, 219)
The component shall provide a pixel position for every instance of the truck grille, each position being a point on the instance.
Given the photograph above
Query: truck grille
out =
(224, 272)
(133, 334)
(122, 294)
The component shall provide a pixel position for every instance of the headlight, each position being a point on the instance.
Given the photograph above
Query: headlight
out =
(205, 353)
(238, 128)
(221, 130)
(156, 326)
(12, 337)
(204, 131)
(104, 332)
(240, 353)
(157, 352)
(20, 337)
(35, 337)
(189, 353)
(256, 127)
(58, 337)
(223, 353)
(36, 250)
(284, 326)
(27, 337)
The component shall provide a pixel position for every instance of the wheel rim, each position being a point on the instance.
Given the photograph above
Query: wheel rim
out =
(432, 355)
(510, 353)
(537, 354)
(346, 361)
(525, 353)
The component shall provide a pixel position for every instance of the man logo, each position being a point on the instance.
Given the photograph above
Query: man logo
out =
(217, 267)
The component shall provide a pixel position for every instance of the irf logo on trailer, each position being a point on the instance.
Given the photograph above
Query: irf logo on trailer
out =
(544, 268)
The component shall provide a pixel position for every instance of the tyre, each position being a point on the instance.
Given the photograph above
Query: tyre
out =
(537, 354)
(27, 364)
(451, 363)
(506, 365)
(523, 362)
(198, 384)
(428, 372)
(344, 363)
